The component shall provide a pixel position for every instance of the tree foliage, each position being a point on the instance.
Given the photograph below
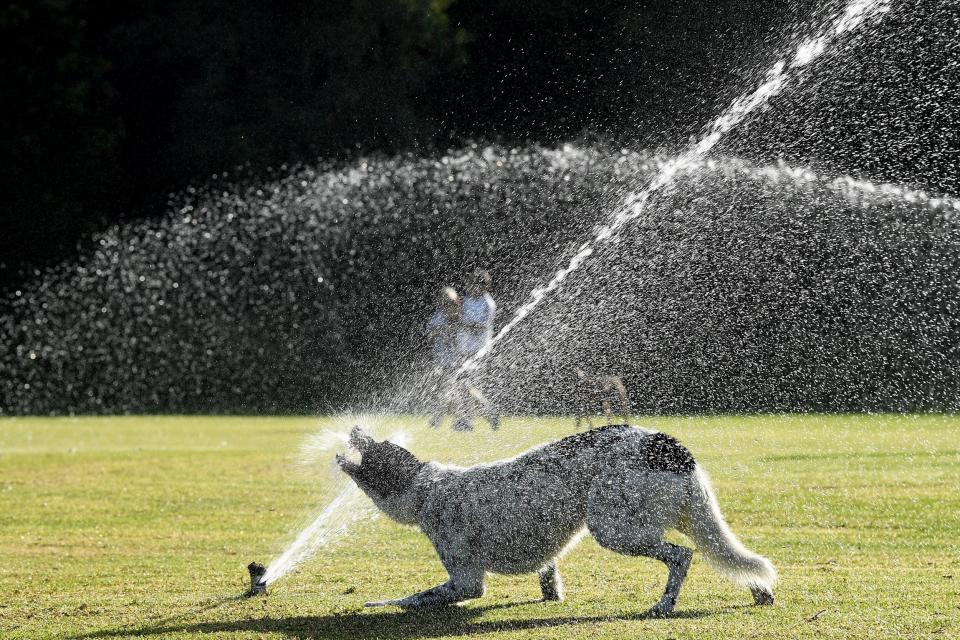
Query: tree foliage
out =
(110, 104)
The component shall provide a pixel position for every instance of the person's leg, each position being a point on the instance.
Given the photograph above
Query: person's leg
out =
(486, 407)
(624, 400)
(440, 398)
(462, 418)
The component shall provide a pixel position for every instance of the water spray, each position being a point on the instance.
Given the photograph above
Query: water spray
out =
(333, 521)
(854, 14)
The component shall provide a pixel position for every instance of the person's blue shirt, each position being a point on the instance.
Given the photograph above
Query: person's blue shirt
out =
(477, 330)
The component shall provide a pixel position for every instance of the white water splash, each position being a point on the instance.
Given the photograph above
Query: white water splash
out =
(854, 14)
(329, 525)
(319, 445)
(336, 519)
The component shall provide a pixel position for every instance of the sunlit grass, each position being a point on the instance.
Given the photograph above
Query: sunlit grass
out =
(142, 526)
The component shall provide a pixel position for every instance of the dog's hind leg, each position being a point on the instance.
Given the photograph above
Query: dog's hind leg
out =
(464, 584)
(677, 559)
(628, 512)
(551, 585)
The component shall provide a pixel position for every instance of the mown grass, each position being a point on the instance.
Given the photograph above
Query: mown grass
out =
(142, 527)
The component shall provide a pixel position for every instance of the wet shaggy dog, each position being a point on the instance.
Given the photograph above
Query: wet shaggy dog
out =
(624, 484)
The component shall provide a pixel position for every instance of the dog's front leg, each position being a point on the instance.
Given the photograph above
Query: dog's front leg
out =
(462, 585)
(550, 583)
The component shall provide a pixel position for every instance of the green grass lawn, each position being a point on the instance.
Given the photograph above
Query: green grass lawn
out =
(143, 526)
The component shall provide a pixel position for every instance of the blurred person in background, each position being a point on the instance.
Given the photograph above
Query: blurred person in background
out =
(476, 331)
(442, 329)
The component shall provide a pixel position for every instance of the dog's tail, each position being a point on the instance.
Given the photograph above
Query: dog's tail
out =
(704, 523)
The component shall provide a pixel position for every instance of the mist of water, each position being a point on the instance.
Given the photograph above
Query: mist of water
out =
(855, 189)
(347, 507)
(855, 14)
(859, 191)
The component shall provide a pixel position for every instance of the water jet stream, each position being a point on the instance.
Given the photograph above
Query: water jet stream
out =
(855, 14)
(333, 522)
(330, 524)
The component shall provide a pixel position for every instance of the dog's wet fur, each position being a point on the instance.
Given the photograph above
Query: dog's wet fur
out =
(623, 484)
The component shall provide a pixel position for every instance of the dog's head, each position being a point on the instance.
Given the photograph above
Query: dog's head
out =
(385, 470)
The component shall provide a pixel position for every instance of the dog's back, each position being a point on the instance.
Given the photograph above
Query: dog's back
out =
(518, 513)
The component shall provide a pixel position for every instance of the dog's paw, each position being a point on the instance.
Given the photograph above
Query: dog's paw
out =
(762, 597)
(660, 610)
(382, 603)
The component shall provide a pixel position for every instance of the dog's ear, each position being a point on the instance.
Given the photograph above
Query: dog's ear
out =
(360, 441)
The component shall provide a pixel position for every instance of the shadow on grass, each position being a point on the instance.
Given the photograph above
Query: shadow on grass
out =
(425, 623)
